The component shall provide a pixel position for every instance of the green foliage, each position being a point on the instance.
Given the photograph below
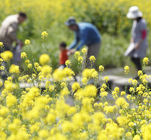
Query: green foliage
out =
(108, 16)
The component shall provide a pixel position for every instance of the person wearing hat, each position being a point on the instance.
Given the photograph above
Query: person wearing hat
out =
(85, 34)
(139, 36)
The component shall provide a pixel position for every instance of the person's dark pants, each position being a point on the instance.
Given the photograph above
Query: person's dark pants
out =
(92, 50)
(5, 48)
(137, 62)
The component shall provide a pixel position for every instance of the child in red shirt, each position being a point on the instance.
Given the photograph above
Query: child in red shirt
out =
(63, 55)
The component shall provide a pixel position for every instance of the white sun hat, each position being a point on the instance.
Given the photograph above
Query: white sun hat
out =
(134, 12)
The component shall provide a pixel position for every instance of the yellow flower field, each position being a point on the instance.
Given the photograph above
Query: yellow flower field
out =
(43, 113)
(33, 113)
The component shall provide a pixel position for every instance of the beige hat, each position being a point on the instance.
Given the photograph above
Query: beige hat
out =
(134, 12)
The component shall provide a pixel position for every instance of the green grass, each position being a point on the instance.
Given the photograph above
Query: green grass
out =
(111, 53)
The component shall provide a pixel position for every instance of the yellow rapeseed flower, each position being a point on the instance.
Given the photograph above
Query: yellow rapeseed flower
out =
(136, 137)
(103, 94)
(77, 54)
(46, 69)
(92, 58)
(106, 79)
(67, 127)
(75, 86)
(29, 65)
(90, 91)
(7, 55)
(65, 91)
(51, 88)
(23, 55)
(126, 68)
(11, 100)
(2, 67)
(80, 59)
(27, 62)
(140, 73)
(63, 84)
(145, 61)
(27, 42)
(84, 80)
(101, 68)
(14, 69)
(9, 86)
(87, 73)
(131, 124)
(44, 34)
(68, 63)
(123, 93)
(95, 74)
(84, 50)
(120, 101)
(122, 120)
(44, 59)
(71, 110)
(43, 133)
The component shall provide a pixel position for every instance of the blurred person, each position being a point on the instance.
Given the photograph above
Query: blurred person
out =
(8, 35)
(85, 34)
(139, 36)
(63, 54)
(8, 30)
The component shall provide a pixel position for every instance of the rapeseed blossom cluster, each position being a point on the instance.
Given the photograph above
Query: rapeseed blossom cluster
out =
(101, 68)
(78, 57)
(145, 61)
(84, 50)
(126, 68)
(7, 55)
(92, 58)
(27, 42)
(14, 69)
(23, 55)
(63, 74)
(44, 59)
(68, 63)
(40, 112)
(44, 34)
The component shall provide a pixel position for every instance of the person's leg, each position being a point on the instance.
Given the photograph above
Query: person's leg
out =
(17, 55)
(92, 50)
(137, 62)
(139, 65)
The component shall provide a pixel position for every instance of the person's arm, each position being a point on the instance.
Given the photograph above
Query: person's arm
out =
(83, 39)
(82, 42)
(74, 43)
(132, 40)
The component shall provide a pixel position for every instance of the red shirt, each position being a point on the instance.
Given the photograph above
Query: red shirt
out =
(63, 57)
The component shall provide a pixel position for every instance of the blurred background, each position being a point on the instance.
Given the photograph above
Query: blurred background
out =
(109, 16)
